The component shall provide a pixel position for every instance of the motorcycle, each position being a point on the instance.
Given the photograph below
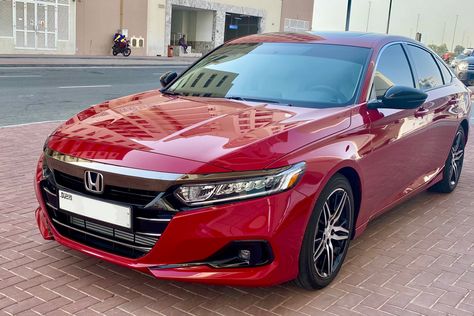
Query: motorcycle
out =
(122, 47)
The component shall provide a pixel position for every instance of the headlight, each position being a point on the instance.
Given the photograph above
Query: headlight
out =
(45, 171)
(463, 66)
(239, 189)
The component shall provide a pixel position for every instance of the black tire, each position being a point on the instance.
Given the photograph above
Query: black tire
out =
(114, 52)
(453, 165)
(127, 51)
(314, 274)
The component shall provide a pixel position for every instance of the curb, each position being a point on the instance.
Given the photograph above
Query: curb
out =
(93, 65)
(148, 58)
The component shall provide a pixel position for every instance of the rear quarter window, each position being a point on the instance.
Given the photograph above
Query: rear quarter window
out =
(447, 75)
(429, 75)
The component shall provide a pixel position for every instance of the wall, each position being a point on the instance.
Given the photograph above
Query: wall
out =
(156, 27)
(301, 10)
(204, 25)
(97, 22)
(94, 33)
(135, 20)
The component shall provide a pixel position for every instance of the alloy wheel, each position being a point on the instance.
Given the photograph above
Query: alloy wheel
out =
(457, 154)
(332, 233)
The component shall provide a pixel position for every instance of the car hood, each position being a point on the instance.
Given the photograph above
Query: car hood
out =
(226, 134)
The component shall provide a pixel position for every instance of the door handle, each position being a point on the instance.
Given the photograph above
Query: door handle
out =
(421, 112)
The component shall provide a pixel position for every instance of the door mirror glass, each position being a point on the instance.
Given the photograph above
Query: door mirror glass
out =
(167, 78)
(400, 97)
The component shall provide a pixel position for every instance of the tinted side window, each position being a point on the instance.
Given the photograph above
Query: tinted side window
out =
(447, 76)
(429, 76)
(393, 69)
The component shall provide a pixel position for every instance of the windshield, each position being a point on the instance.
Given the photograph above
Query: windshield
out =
(308, 75)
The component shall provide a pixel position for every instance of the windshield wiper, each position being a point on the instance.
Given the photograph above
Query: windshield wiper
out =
(251, 99)
(256, 100)
(236, 98)
(167, 92)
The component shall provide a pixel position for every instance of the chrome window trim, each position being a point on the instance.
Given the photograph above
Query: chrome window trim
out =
(413, 68)
(434, 56)
(372, 78)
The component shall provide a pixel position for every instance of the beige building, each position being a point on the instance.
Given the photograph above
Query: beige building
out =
(86, 27)
(152, 25)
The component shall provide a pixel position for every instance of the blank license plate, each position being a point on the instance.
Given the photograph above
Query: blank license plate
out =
(95, 209)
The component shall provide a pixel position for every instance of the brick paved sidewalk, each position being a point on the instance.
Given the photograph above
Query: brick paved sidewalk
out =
(416, 259)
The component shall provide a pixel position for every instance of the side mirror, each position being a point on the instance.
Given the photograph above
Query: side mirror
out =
(167, 78)
(400, 97)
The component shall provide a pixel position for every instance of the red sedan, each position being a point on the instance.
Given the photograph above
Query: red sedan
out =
(260, 162)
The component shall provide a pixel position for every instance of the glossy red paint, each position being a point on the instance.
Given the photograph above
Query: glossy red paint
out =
(212, 132)
(380, 149)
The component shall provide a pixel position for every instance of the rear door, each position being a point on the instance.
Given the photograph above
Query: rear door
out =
(439, 114)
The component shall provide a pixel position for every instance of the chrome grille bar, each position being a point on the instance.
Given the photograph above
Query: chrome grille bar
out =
(161, 220)
(146, 249)
(49, 192)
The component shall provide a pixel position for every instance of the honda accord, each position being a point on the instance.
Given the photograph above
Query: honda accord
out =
(258, 164)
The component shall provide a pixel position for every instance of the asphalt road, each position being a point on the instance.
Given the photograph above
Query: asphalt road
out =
(39, 94)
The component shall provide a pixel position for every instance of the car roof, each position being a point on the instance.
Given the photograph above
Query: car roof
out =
(370, 40)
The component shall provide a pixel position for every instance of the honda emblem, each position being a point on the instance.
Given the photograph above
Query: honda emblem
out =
(94, 182)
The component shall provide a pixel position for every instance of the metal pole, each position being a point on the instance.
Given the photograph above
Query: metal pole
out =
(417, 22)
(444, 33)
(454, 34)
(368, 17)
(348, 14)
(121, 14)
(389, 16)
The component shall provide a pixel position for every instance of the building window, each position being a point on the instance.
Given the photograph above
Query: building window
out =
(40, 24)
(238, 25)
(294, 25)
(6, 18)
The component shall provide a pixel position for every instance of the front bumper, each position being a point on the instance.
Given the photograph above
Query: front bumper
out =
(193, 236)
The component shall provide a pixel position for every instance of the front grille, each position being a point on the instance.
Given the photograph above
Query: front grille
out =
(113, 193)
(470, 67)
(149, 222)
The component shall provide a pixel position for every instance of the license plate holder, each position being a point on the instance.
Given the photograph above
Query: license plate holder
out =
(97, 210)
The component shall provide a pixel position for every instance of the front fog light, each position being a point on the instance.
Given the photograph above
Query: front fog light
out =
(244, 254)
(239, 189)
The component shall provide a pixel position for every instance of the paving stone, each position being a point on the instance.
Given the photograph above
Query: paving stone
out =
(415, 259)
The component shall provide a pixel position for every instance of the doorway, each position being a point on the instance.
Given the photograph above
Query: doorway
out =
(35, 24)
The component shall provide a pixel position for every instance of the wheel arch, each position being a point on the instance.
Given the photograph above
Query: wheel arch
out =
(465, 126)
(354, 179)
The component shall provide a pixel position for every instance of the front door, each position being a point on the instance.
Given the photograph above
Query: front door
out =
(397, 135)
(35, 24)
